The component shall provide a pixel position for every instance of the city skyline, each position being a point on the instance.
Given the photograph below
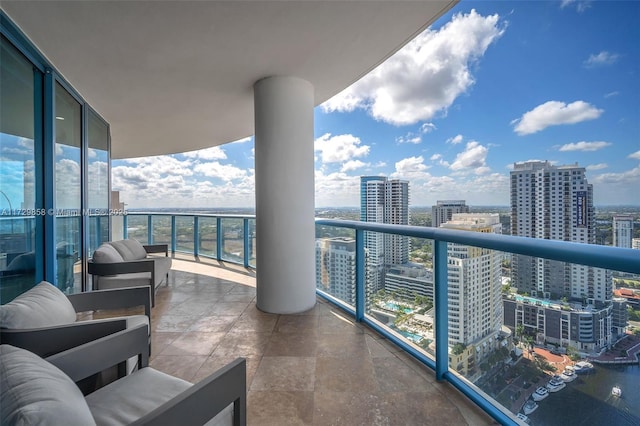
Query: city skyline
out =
(489, 84)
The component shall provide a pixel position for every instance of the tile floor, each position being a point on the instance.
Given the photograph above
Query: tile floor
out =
(314, 368)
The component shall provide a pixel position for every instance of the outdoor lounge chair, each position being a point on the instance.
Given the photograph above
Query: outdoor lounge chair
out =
(44, 391)
(44, 321)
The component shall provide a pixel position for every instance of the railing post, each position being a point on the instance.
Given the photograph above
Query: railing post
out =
(360, 275)
(150, 229)
(218, 238)
(245, 235)
(196, 236)
(173, 234)
(125, 226)
(440, 280)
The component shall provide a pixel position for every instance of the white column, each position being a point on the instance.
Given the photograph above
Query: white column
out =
(285, 195)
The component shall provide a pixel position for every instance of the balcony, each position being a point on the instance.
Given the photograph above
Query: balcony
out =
(318, 363)
(319, 367)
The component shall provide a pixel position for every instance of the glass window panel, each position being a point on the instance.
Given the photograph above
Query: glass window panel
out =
(98, 181)
(68, 142)
(18, 219)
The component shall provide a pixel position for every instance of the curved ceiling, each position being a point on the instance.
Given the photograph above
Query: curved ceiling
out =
(175, 76)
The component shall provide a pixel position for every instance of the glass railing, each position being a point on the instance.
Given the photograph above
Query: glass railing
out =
(455, 308)
(229, 238)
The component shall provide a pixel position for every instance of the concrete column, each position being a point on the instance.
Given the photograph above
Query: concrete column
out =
(285, 195)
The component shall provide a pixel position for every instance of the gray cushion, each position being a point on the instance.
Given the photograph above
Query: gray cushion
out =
(134, 279)
(107, 254)
(41, 306)
(23, 262)
(129, 249)
(129, 398)
(35, 392)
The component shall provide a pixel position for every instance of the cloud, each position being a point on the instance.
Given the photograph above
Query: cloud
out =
(610, 94)
(553, 113)
(634, 156)
(353, 165)
(225, 172)
(409, 138)
(426, 76)
(584, 146)
(472, 158)
(602, 58)
(455, 140)
(340, 148)
(427, 127)
(629, 177)
(581, 6)
(213, 153)
(412, 169)
(599, 166)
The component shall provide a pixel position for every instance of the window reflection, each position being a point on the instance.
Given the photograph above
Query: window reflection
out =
(18, 219)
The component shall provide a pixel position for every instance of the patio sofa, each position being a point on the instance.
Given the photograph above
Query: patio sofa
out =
(44, 391)
(126, 263)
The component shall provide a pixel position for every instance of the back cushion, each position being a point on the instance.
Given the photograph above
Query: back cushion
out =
(35, 392)
(106, 253)
(130, 249)
(42, 306)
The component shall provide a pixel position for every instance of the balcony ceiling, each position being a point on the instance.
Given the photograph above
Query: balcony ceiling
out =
(175, 76)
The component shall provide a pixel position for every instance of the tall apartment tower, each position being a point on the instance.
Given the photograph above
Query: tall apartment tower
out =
(622, 230)
(444, 209)
(475, 300)
(336, 267)
(555, 203)
(384, 200)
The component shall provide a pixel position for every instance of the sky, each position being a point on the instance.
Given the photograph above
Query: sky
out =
(489, 84)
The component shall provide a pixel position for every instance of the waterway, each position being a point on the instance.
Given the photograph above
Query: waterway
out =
(588, 401)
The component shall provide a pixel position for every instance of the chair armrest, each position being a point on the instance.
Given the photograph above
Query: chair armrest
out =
(157, 248)
(126, 267)
(52, 340)
(117, 298)
(204, 400)
(90, 358)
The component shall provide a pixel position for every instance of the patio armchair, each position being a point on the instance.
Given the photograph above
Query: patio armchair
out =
(126, 263)
(43, 320)
(44, 391)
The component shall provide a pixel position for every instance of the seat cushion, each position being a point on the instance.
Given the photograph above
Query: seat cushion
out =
(130, 249)
(123, 280)
(129, 398)
(41, 306)
(161, 265)
(35, 392)
(107, 254)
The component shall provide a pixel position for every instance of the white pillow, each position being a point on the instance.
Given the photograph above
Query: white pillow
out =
(41, 306)
(35, 392)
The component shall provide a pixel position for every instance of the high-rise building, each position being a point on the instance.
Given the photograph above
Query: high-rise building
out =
(475, 281)
(555, 203)
(384, 200)
(622, 230)
(336, 267)
(635, 243)
(444, 209)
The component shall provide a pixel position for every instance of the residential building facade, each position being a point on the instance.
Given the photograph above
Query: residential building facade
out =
(444, 210)
(622, 231)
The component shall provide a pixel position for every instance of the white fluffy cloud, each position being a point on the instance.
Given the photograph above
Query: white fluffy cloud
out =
(215, 169)
(634, 156)
(412, 169)
(455, 140)
(473, 158)
(213, 153)
(340, 148)
(352, 165)
(602, 58)
(409, 138)
(553, 113)
(598, 166)
(426, 76)
(584, 146)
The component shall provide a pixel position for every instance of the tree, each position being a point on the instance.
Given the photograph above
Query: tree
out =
(519, 330)
(458, 348)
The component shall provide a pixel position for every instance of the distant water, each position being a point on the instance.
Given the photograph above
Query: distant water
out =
(588, 401)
